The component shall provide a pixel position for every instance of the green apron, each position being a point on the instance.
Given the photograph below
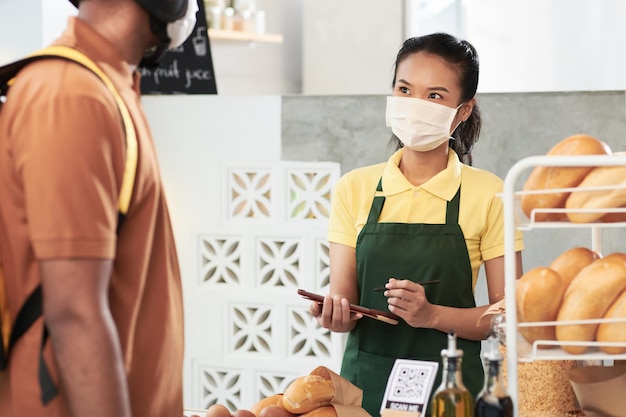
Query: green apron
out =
(418, 252)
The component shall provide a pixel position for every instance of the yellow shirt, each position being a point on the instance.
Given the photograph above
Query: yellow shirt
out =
(480, 211)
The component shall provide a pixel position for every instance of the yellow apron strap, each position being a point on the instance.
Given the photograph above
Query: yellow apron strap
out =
(130, 167)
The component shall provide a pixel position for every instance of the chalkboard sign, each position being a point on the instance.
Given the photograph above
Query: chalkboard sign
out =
(187, 69)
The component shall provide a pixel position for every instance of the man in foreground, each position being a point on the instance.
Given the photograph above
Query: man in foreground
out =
(112, 299)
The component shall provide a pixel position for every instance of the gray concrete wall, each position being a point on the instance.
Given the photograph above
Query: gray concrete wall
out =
(351, 130)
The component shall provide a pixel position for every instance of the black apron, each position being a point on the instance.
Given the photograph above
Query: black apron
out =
(418, 252)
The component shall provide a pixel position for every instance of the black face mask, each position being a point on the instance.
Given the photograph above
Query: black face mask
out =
(152, 57)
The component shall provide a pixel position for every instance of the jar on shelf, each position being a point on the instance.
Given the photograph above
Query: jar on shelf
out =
(228, 19)
(243, 21)
(214, 17)
(241, 5)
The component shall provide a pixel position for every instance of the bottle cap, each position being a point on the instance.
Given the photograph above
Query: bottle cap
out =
(492, 352)
(452, 351)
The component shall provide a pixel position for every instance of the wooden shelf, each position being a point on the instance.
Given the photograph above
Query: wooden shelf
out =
(233, 35)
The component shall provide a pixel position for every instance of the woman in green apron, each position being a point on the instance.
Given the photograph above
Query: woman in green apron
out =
(424, 214)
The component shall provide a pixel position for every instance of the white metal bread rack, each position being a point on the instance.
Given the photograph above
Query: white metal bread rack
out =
(513, 218)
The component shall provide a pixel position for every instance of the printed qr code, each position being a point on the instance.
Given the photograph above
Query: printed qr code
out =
(410, 384)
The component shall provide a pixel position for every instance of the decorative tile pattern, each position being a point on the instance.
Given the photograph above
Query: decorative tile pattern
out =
(220, 260)
(308, 193)
(251, 329)
(278, 262)
(322, 266)
(271, 383)
(252, 342)
(306, 338)
(249, 193)
(221, 386)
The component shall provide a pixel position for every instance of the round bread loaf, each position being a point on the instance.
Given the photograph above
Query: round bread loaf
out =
(308, 392)
(243, 413)
(569, 263)
(275, 411)
(538, 296)
(547, 178)
(272, 400)
(589, 295)
(218, 410)
(613, 196)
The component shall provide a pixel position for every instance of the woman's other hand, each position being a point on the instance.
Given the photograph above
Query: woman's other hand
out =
(334, 314)
(407, 299)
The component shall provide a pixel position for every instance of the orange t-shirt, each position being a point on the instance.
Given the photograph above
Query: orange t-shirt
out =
(62, 151)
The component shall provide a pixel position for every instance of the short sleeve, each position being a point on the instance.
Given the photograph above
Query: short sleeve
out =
(70, 165)
(492, 243)
(342, 223)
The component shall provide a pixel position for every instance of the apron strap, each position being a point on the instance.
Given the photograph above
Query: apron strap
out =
(452, 210)
(377, 204)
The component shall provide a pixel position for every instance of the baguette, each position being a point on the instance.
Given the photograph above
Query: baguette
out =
(616, 216)
(617, 257)
(326, 411)
(538, 294)
(308, 392)
(569, 263)
(546, 178)
(588, 297)
(614, 332)
(613, 197)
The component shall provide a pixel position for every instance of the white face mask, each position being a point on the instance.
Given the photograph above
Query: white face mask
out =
(179, 30)
(421, 125)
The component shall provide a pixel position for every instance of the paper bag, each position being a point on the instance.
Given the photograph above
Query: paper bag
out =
(348, 397)
(493, 310)
(600, 389)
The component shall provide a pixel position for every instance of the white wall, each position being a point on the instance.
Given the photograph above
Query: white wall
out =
(21, 28)
(56, 13)
(244, 68)
(556, 45)
(28, 25)
(349, 46)
(530, 45)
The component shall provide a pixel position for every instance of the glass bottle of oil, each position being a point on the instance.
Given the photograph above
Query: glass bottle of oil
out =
(451, 398)
(493, 400)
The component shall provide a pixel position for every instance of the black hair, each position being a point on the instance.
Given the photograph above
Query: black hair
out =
(463, 56)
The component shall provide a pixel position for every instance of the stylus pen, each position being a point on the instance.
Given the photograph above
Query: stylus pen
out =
(432, 281)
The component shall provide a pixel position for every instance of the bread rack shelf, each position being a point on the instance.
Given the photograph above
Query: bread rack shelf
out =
(514, 218)
(551, 349)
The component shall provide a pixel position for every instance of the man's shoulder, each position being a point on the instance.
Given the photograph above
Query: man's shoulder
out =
(59, 76)
(56, 82)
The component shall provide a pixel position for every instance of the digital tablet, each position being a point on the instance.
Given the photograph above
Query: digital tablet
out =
(384, 316)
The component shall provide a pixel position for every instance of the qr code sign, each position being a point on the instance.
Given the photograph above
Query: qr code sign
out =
(411, 384)
(411, 381)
